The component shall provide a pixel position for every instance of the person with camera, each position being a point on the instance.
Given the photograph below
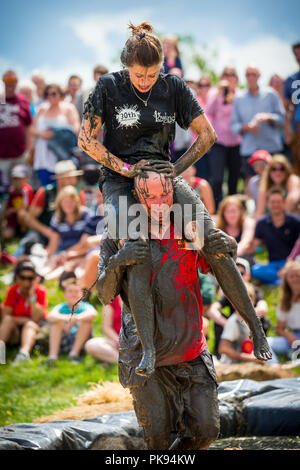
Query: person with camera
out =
(225, 152)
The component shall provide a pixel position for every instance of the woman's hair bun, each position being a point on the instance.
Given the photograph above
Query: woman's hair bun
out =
(140, 28)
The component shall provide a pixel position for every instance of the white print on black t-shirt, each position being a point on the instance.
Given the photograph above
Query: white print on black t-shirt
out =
(128, 116)
(9, 115)
(165, 119)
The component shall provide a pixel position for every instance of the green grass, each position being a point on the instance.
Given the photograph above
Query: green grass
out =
(32, 389)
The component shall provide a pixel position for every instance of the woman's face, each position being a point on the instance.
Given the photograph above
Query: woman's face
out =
(68, 205)
(230, 76)
(143, 78)
(293, 279)
(232, 214)
(168, 47)
(53, 96)
(277, 173)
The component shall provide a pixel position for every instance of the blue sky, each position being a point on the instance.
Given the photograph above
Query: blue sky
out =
(71, 36)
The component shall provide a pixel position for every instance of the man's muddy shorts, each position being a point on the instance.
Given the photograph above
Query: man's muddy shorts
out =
(179, 400)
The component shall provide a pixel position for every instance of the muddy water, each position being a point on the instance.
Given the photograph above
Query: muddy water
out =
(257, 443)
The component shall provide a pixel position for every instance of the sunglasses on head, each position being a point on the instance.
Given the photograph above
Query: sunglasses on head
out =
(26, 278)
(9, 79)
(277, 168)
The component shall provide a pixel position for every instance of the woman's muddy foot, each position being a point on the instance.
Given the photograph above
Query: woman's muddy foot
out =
(147, 365)
(262, 349)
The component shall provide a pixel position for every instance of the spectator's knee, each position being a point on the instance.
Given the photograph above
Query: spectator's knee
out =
(32, 325)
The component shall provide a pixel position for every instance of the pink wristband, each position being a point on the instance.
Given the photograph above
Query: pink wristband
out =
(126, 166)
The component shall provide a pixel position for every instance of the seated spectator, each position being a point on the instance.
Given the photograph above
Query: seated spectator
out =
(68, 334)
(258, 161)
(20, 197)
(232, 220)
(67, 225)
(288, 314)
(235, 345)
(201, 186)
(37, 218)
(216, 314)
(106, 349)
(24, 309)
(278, 231)
(279, 173)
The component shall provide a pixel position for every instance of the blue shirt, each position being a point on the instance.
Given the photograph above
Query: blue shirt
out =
(66, 310)
(70, 234)
(245, 106)
(278, 240)
(289, 91)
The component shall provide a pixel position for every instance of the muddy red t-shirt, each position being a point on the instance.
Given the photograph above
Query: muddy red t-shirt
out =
(177, 300)
(20, 306)
(15, 116)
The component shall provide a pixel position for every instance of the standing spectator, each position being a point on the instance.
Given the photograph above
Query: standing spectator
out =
(279, 231)
(26, 89)
(203, 89)
(40, 85)
(233, 221)
(279, 173)
(106, 349)
(171, 54)
(69, 334)
(15, 119)
(99, 71)
(290, 90)
(20, 197)
(75, 94)
(288, 314)
(258, 161)
(258, 115)
(226, 151)
(24, 309)
(56, 113)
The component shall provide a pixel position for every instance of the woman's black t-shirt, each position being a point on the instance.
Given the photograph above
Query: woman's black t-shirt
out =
(133, 131)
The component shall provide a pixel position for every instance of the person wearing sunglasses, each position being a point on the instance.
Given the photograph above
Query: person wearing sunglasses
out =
(258, 117)
(24, 309)
(15, 119)
(55, 113)
(226, 151)
(279, 173)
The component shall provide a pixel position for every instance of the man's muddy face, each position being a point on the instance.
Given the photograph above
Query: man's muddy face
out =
(155, 193)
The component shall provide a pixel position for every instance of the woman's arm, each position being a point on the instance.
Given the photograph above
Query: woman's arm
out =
(207, 196)
(88, 142)
(244, 246)
(73, 117)
(293, 196)
(107, 323)
(206, 138)
(53, 243)
(282, 331)
(261, 204)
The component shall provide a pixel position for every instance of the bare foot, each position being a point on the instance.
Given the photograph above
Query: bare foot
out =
(147, 365)
(262, 349)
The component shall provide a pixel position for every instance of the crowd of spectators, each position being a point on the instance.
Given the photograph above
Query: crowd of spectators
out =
(51, 204)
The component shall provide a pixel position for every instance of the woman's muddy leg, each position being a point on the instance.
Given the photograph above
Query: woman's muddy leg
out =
(225, 270)
(142, 310)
